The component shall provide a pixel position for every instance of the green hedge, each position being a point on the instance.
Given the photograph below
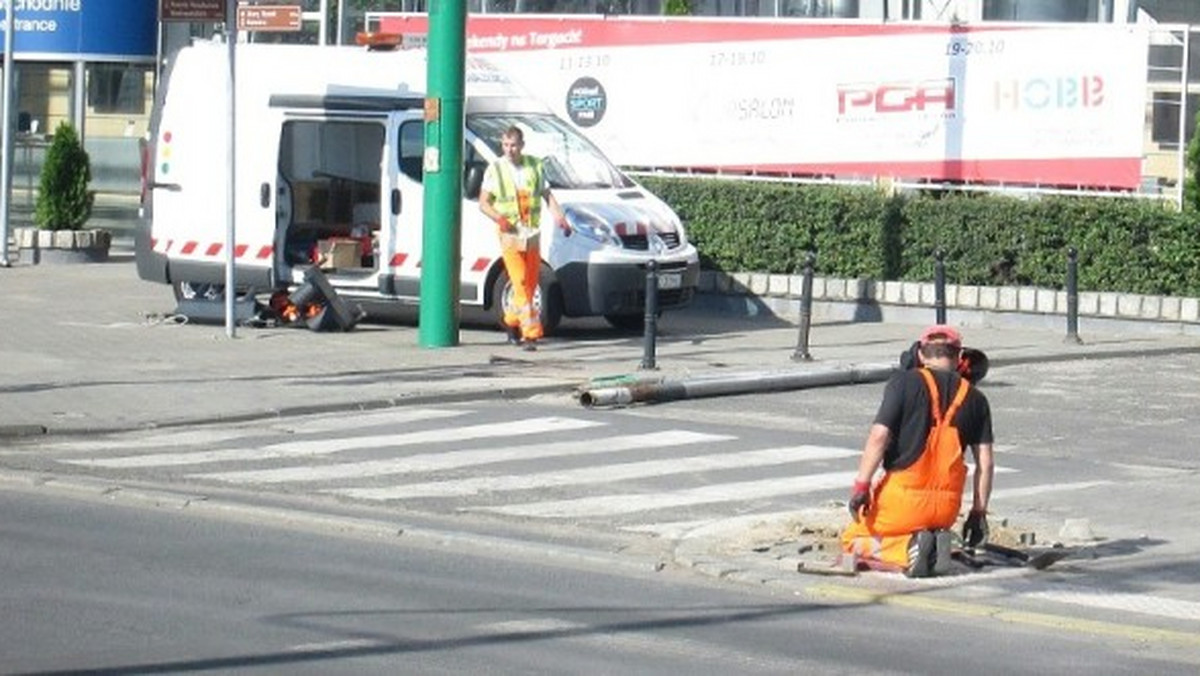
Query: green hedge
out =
(1128, 245)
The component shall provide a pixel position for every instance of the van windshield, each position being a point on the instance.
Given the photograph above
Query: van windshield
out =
(571, 161)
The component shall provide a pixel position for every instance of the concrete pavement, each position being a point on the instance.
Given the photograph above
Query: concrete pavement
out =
(91, 347)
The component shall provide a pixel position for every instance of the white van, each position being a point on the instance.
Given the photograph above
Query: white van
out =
(329, 144)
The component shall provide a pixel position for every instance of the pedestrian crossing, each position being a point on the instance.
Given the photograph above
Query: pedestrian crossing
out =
(579, 467)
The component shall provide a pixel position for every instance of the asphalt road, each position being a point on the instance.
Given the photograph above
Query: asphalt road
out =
(109, 589)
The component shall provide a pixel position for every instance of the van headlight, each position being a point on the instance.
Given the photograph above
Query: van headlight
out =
(591, 227)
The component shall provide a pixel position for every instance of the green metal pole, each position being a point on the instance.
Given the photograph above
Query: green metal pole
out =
(444, 103)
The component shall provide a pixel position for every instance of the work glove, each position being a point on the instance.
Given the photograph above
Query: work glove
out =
(860, 499)
(505, 224)
(975, 529)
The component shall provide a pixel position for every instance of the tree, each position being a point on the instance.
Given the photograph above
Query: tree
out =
(1191, 180)
(64, 201)
(677, 7)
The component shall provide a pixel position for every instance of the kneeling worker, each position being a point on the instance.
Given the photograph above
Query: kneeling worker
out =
(928, 417)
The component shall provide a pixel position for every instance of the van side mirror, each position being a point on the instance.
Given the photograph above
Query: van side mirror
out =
(473, 180)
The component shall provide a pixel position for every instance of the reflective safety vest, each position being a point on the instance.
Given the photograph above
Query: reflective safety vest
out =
(519, 203)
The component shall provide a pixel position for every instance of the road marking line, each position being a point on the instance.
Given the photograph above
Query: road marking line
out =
(973, 609)
(293, 449)
(628, 503)
(454, 459)
(130, 441)
(1134, 603)
(1045, 488)
(629, 636)
(604, 473)
(355, 421)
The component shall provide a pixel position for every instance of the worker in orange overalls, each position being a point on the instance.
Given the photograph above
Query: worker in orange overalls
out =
(928, 417)
(511, 195)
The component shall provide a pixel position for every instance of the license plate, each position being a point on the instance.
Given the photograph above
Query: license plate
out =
(672, 280)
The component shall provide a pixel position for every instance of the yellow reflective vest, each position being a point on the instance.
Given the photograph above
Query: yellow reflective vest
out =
(521, 204)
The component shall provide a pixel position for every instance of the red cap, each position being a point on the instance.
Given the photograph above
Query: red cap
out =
(941, 333)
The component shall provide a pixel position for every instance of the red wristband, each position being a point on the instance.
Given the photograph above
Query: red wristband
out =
(861, 486)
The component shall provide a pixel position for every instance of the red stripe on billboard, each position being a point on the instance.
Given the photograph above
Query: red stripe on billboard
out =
(508, 33)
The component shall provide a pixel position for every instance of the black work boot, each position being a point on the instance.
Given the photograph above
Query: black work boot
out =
(514, 335)
(942, 543)
(920, 554)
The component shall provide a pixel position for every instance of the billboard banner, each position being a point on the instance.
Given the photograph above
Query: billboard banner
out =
(97, 30)
(1000, 103)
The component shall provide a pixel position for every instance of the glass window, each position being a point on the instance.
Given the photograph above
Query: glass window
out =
(571, 161)
(117, 88)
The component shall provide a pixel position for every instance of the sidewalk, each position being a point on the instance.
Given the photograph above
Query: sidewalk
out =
(91, 347)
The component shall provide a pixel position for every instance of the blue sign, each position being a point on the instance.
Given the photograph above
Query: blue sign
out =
(83, 29)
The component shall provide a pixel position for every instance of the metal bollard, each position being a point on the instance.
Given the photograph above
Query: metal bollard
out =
(939, 285)
(651, 326)
(806, 294)
(1073, 297)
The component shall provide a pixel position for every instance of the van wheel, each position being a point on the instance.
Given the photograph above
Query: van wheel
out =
(627, 322)
(198, 291)
(551, 312)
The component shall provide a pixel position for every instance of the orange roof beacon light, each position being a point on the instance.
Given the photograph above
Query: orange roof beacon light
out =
(374, 41)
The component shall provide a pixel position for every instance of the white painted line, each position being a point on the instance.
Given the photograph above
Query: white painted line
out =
(628, 637)
(1144, 604)
(670, 530)
(1045, 488)
(429, 462)
(531, 626)
(609, 505)
(355, 421)
(132, 441)
(604, 473)
(292, 449)
(329, 646)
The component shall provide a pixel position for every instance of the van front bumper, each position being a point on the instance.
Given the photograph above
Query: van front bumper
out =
(592, 289)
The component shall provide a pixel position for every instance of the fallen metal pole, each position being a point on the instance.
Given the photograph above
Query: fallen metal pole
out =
(733, 383)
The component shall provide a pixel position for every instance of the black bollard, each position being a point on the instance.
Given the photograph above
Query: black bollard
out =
(1073, 297)
(939, 285)
(806, 293)
(651, 327)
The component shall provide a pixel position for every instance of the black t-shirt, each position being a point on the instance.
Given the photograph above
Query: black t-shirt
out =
(905, 410)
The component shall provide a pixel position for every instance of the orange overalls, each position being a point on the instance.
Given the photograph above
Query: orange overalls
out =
(924, 496)
(522, 253)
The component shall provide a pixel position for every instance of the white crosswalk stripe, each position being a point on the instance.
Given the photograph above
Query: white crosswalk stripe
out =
(600, 474)
(295, 449)
(628, 503)
(430, 462)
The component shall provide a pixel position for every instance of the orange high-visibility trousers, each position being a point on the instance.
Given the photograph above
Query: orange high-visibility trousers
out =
(523, 268)
(924, 496)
